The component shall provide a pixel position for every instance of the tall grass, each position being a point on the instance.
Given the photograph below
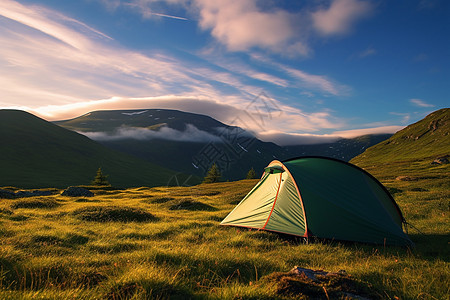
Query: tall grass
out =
(180, 251)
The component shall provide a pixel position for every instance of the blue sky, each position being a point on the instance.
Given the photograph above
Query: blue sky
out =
(291, 71)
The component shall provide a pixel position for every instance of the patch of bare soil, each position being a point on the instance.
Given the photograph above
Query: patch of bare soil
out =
(317, 284)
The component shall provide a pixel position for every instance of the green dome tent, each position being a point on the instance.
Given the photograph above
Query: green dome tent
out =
(321, 197)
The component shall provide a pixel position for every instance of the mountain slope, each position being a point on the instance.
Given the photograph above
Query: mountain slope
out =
(37, 153)
(343, 149)
(111, 120)
(182, 141)
(412, 150)
(190, 143)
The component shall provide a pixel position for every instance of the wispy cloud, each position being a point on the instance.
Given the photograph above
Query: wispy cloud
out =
(70, 67)
(190, 134)
(258, 116)
(238, 24)
(286, 139)
(405, 117)
(420, 103)
(37, 18)
(316, 81)
(63, 60)
(340, 16)
(364, 131)
(311, 81)
(367, 52)
(145, 9)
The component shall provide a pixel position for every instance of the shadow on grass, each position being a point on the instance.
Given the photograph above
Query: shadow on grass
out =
(160, 235)
(149, 289)
(113, 214)
(18, 218)
(387, 293)
(70, 240)
(35, 203)
(114, 248)
(191, 205)
(86, 200)
(18, 276)
(236, 198)
(158, 200)
(432, 246)
(197, 268)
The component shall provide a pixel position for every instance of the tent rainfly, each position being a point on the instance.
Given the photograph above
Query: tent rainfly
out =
(324, 198)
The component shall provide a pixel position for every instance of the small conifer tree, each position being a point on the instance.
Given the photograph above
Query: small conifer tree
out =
(213, 174)
(100, 179)
(251, 174)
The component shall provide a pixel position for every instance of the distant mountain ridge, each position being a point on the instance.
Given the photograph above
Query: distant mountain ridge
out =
(110, 120)
(36, 153)
(191, 142)
(182, 141)
(343, 149)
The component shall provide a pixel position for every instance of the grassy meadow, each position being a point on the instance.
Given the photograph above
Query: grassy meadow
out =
(166, 242)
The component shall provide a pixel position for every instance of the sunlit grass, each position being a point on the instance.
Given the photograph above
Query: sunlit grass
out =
(181, 251)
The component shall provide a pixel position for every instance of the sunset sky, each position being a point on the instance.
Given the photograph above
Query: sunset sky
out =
(311, 69)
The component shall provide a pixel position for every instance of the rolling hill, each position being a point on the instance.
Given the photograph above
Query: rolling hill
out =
(189, 142)
(412, 150)
(36, 153)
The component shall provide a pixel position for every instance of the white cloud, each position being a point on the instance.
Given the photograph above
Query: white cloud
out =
(287, 139)
(262, 114)
(364, 131)
(238, 25)
(245, 25)
(340, 16)
(420, 103)
(65, 64)
(201, 105)
(64, 61)
(190, 134)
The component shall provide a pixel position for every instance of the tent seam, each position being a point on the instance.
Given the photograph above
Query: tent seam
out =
(300, 198)
(274, 202)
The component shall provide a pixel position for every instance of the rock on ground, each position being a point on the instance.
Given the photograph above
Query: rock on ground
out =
(74, 191)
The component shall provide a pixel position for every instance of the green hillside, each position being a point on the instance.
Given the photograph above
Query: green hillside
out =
(36, 153)
(411, 151)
